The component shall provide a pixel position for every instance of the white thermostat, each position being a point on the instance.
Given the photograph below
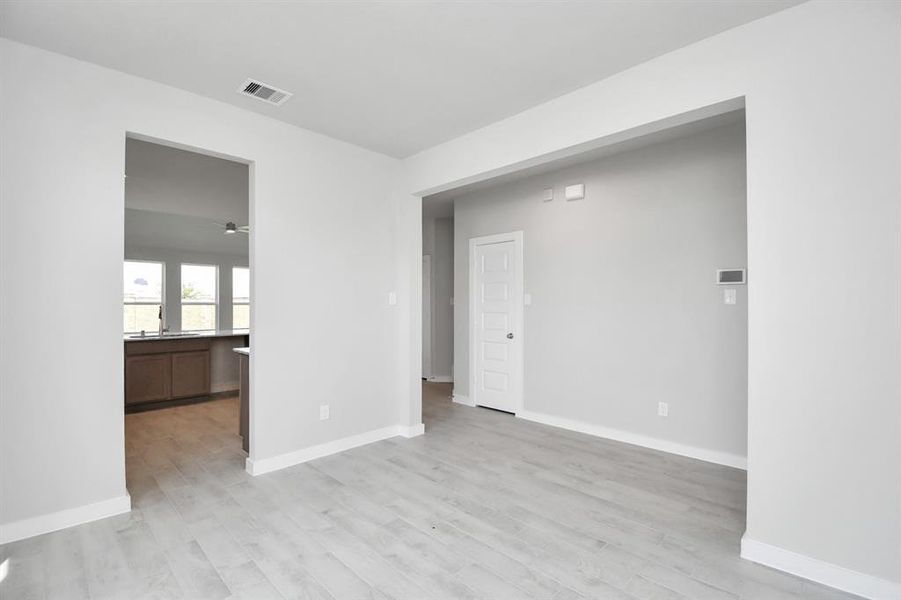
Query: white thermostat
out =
(575, 191)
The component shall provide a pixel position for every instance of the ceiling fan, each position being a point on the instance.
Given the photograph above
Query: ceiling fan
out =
(230, 227)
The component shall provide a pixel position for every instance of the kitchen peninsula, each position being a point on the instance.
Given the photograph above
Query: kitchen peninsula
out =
(244, 395)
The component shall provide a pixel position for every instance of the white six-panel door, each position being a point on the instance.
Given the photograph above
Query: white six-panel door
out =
(496, 317)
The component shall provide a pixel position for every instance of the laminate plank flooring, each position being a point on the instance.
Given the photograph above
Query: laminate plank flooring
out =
(484, 506)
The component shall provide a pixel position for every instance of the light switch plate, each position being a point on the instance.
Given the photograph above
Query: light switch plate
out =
(662, 409)
(323, 412)
(729, 296)
(392, 298)
(547, 195)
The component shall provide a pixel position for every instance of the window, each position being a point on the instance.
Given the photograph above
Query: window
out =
(142, 295)
(198, 297)
(240, 298)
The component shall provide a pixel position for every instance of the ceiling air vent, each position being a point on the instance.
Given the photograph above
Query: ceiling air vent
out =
(264, 92)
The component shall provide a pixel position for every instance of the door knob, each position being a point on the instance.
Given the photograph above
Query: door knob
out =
(509, 336)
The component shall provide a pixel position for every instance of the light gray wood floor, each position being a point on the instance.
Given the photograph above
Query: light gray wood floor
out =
(483, 506)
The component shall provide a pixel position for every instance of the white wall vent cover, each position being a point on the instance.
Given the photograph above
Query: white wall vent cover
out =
(265, 92)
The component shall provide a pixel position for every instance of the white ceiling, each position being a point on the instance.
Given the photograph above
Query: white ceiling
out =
(174, 198)
(396, 77)
(149, 229)
(169, 180)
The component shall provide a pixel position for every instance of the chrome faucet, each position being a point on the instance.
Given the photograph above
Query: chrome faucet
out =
(162, 329)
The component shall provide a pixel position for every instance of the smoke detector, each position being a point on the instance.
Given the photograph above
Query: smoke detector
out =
(265, 92)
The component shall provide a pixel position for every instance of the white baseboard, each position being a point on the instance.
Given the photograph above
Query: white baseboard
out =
(712, 456)
(289, 459)
(441, 379)
(409, 431)
(26, 528)
(825, 573)
(464, 400)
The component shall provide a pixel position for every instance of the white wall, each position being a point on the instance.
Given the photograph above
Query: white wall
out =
(625, 310)
(822, 83)
(322, 263)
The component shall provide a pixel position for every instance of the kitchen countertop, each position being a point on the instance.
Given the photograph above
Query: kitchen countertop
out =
(244, 351)
(220, 333)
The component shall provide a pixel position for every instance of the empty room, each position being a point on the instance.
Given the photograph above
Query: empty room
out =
(479, 300)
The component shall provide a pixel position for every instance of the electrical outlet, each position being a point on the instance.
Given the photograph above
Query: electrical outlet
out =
(323, 412)
(729, 296)
(662, 409)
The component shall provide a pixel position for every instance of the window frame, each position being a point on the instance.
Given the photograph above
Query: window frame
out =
(214, 303)
(236, 303)
(161, 303)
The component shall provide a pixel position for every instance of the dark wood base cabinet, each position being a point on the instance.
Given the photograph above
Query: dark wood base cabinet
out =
(244, 395)
(158, 371)
(148, 378)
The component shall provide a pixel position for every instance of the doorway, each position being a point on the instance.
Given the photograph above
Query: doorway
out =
(438, 282)
(632, 335)
(496, 306)
(187, 315)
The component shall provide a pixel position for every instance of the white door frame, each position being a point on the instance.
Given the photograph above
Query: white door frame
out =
(517, 238)
(426, 316)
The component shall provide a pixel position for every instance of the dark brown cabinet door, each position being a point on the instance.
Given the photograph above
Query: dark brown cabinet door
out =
(244, 414)
(190, 374)
(147, 378)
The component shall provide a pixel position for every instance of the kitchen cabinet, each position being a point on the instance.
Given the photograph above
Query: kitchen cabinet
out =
(147, 378)
(162, 370)
(244, 399)
(190, 373)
